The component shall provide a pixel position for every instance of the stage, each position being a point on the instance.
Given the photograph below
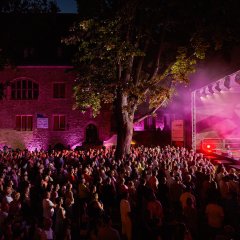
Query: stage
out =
(216, 119)
(219, 156)
(233, 154)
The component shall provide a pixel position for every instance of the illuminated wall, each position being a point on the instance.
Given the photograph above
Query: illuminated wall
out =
(46, 106)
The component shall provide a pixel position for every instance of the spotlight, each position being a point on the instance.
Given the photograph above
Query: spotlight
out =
(217, 88)
(223, 84)
(210, 89)
(203, 92)
(233, 81)
(227, 81)
(208, 147)
(237, 78)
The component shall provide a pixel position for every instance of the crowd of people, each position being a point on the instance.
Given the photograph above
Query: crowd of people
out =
(162, 193)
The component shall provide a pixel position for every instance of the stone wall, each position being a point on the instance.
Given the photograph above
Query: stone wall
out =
(47, 106)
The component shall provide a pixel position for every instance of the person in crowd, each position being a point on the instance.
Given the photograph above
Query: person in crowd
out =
(215, 216)
(8, 195)
(106, 231)
(154, 216)
(60, 215)
(48, 206)
(47, 227)
(190, 214)
(185, 195)
(125, 211)
(15, 205)
(72, 190)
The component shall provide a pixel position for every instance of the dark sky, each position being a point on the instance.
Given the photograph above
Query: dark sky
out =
(67, 6)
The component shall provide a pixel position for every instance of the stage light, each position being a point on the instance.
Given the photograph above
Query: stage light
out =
(203, 92)
(133, 142)
(210, 89)
(237, 78)
(235, 81)
(217, 88)
(223, 85)
(207, 92)
(232, 81)
(208, 146)
(227, 81)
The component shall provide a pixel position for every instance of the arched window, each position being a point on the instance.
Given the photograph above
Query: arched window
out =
(24, 89)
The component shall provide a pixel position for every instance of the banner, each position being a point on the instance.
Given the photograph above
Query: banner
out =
(177, 131)
(42, 123)
(139, 126)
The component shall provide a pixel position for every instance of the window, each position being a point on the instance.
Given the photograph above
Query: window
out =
(24, 89)
(59, 90)
(24, 122)
(1, 91)
(59, 123)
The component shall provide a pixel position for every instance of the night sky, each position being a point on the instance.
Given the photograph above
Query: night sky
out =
(67, 6)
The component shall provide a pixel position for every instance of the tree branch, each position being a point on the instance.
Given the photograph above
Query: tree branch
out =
(149, 113)
(140, 63)
(129, 69)
(146, 115)
(160, 50)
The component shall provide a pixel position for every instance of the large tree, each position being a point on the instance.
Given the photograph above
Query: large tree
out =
(135, 51)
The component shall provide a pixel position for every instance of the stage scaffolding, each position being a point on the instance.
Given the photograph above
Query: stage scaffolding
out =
(229, 84)
(193, 108)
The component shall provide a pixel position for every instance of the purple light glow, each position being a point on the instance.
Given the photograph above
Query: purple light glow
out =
(139, 126)
(218, 116)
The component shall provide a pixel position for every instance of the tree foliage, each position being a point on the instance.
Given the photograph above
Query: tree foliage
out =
(140, 49)
(133, 51)
(28, 6)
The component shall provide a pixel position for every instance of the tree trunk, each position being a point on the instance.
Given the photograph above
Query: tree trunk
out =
(124, 119)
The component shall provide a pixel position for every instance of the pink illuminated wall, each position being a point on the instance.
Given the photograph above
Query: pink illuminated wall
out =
(139, 126)
(74, 133)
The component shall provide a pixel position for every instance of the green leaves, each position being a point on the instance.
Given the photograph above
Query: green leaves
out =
(85, 99)
(103, 57)
(200, 47)
(28, 6)
(187, 58)
(183, 66)
(143, 49)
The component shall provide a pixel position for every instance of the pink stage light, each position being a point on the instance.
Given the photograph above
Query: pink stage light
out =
(208, 147)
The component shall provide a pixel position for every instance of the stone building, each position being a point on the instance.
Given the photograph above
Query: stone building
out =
(37, 88)
(37, 110)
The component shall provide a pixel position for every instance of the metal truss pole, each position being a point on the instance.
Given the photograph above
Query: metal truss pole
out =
(193, 108)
